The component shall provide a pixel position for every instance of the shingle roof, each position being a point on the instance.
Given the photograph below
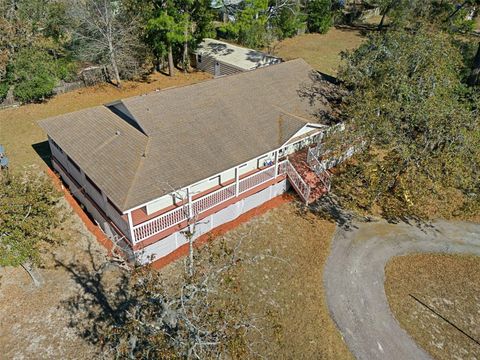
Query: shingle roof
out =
(191, 132)
(240, 57)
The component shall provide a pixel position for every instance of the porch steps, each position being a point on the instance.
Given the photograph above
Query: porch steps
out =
(316, 184)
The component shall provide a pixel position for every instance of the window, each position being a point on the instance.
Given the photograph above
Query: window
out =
(199, 58)
(73, 163)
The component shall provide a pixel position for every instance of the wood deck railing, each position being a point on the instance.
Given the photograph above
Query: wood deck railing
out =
(181, 214)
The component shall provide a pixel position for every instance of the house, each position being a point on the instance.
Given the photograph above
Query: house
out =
(220, 58)
(146, 167)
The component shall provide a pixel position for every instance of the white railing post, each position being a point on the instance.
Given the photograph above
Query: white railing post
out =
(130, 226)
(189, 204)
(237, 181)
(276, 163)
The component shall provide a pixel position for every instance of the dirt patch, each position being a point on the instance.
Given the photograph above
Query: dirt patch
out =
(23, 138)
(449, 285)
(321, 51)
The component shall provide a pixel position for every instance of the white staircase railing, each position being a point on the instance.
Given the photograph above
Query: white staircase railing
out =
(302, 188)
(320, 168)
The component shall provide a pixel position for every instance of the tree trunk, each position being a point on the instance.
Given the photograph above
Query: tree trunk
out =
(190, 254)
(34, 274)
(382, 20)
(115, 70)
(474, 78)
(185, 49)
(380, 26)
(171, 70)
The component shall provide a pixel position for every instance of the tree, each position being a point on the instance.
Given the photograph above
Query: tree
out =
(32, 31)
(176, 27)
(146, 317)
(419, 121)
(105, 35)
(285, 17)
(319, 15)
(30, 212)
(34, 75)
(164, 33)
(250, 25)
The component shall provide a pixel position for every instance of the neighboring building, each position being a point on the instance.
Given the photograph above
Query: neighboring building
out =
(147, 167)
(220, 58)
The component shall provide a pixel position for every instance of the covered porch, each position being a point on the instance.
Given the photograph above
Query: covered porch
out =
(296, 167)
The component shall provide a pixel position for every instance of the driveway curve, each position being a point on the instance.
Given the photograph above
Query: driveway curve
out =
(354, 281)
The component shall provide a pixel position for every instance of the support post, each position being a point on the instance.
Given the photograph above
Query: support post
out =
(237, 182)
(130, 226)
(189, 204)
(276, 163)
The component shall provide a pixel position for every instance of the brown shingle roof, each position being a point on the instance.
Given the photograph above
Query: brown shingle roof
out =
(192, 132)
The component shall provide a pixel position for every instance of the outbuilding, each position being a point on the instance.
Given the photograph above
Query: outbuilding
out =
(220, 58)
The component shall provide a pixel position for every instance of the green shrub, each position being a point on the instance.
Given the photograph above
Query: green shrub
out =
(35, 75)
(4, 86)
(66, 70)
(319, 16)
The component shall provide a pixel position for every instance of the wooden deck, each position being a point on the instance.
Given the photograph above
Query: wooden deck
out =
(299, 162)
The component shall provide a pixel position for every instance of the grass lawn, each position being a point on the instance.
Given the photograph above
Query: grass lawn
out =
(286, 282)
(448, 284)
(24, 140)
(321, 51)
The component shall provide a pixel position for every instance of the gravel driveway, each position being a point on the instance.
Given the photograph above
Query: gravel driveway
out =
(354, 281)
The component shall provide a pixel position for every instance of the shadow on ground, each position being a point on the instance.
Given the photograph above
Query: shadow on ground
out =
(43, 151)
(99, 302)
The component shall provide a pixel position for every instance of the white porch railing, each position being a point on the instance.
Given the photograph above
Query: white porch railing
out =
(178, 215)
(256, 179)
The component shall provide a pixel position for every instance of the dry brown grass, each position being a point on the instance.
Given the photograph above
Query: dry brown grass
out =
(34, 323)
(450, 284)
(321, 51)
(19, 131)
(284, 291)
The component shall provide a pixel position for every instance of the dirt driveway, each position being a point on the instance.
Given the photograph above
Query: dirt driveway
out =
(354, 281)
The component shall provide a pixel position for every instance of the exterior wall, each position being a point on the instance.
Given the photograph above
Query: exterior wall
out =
(172, 242)
(208, 65)
(105, 225)
(101, 205)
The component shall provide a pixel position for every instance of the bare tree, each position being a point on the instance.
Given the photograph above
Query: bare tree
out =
(105, 35)
(147, 316)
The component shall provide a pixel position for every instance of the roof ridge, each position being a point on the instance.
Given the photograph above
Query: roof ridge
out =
(218, 79)
(142, 160)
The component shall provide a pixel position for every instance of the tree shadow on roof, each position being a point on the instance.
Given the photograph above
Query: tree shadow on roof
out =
(261, 59)
(219, 49)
